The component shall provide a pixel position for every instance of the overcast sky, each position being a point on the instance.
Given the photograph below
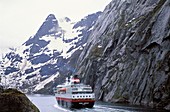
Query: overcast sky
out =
(20, 19)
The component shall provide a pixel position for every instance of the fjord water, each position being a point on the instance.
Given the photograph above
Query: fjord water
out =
(47, 103)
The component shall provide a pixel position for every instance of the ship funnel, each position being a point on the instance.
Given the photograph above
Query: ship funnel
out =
(75, 79)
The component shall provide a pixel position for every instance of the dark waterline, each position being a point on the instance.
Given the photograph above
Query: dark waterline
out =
(47, 103)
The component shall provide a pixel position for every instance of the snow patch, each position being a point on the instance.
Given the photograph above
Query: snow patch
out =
(46, 81)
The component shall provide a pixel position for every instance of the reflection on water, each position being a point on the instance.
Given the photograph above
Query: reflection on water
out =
(47, 103)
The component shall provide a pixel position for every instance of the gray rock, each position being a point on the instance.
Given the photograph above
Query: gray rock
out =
(167, 107)
(134, 63)
(1, 88)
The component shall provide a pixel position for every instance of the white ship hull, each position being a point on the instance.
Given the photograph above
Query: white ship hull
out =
(69, 102)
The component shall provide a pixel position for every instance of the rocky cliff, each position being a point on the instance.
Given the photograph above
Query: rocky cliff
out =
(127, 56)
(15, 101)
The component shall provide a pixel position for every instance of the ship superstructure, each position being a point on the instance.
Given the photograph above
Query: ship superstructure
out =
(73, 94)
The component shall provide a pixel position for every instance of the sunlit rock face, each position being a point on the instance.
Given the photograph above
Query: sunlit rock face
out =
(127, 56)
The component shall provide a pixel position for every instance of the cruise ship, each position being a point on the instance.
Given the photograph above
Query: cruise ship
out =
(73, 94)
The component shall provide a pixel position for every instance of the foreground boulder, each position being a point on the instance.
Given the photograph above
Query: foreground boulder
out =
(12, 100)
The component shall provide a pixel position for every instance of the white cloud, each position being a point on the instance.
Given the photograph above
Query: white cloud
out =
(20, 19)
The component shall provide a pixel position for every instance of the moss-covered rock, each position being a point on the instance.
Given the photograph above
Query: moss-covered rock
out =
(12, 100)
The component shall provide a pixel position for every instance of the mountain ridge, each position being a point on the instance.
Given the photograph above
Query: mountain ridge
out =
(48, 53)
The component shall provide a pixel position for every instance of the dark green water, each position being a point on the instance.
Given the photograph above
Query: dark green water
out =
(47, 103)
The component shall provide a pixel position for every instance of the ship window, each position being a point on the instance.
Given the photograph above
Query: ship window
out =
(89, 89)
(74, 88)
(81, 92)
(62, 92)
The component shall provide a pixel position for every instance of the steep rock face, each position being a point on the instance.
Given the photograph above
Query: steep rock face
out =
(15, 101)
(127, 56)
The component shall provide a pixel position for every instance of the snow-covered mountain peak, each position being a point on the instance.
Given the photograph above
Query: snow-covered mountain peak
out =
(52, 50)
(50, 26)
(51, 17)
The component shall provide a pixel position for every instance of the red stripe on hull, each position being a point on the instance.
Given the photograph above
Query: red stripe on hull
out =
(75, 100)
